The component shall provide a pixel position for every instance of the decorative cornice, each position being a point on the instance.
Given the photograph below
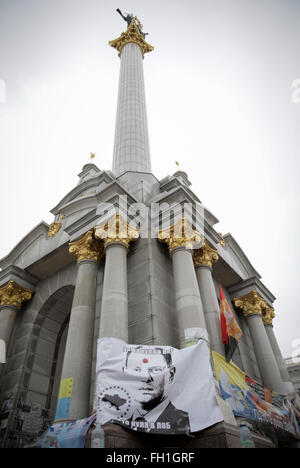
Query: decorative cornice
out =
(268, 315)
(205, 256)
(251, 304)
(53, 229)
(131, 35)
(116, 230)
(180, 234)
(87, 248)
(13, 295)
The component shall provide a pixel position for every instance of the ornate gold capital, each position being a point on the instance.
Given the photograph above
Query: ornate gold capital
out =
(131, 35)
(87, 248)
(180, 234)
(116, 230)
(205, 256)
(53, 229)
(251, 304)
(13, 295)
(268, 315)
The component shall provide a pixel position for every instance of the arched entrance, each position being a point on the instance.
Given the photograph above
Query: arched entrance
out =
(36, 403)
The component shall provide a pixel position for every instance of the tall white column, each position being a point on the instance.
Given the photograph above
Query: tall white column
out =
(74, 393)
(267, 317)
(253, 306)
(131, 145)
(203, 260)
(181, 239)
(116, 235)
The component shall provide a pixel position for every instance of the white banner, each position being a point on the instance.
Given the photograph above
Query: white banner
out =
(156, 389)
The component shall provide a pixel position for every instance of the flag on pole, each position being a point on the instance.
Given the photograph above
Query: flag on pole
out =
(231, 332)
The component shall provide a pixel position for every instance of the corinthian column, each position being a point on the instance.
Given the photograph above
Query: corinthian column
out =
(116, 235)
(181, 239)
(73, 399)
(131, 146)
(253, 307)
(267, 317)
(11, 298)
(203, 261)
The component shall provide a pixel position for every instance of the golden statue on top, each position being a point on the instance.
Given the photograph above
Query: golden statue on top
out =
(134, 34)
(128, 17)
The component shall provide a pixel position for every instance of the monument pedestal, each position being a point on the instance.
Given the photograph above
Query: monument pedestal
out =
(220, 435)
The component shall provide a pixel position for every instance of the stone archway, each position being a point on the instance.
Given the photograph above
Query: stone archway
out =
(48, 346)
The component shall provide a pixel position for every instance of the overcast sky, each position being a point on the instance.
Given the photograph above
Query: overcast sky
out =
(220, 100)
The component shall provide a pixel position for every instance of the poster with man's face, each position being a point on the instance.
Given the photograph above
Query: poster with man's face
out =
(155, 389)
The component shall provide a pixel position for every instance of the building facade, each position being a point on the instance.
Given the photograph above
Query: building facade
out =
(293, 368)
(113, 264)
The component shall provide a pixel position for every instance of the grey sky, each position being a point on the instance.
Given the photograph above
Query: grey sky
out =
(219, 100)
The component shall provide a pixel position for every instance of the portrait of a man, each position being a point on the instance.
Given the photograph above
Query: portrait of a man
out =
(155, 389)
(148, 378)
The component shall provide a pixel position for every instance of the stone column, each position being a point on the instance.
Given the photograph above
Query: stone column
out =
(117, 235)
(203, 260)
(131, 145)
(253, 306)
(11, 297)
(267, 317)
(181, 239)
(74, 393)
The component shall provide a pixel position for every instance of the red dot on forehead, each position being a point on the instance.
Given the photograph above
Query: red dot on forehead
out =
(145, 360)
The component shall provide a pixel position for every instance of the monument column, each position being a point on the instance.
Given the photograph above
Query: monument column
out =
(267, 317)
(11, 297)
(181, 239)
(117, 235)
(131, 143)
(253, 306)
(74, 392)
(203, 260)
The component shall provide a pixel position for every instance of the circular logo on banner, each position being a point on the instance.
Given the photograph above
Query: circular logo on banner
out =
(114, 400)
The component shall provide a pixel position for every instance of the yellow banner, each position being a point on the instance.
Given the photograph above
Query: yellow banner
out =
(66, 388)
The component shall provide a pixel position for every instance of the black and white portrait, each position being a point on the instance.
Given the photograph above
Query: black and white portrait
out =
(155, 389)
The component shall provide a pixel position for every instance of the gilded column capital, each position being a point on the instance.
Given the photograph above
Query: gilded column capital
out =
(87, 248)
(180, 234)
(116, 231)
(132, 35)
(268, 315)
(251, 304)
(205, 256)
(53, 229)
(13, 295)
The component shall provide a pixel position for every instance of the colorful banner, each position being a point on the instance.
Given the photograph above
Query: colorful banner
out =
(156, 389)
(64, 398)
(231, 332)
(67, 435)
(249, 399)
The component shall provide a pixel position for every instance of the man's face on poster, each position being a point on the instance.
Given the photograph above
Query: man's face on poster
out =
(151, 376)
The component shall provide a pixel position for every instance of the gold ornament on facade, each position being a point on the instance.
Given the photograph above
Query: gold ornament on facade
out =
(132, 35)
(53, 229)
(13, 295)
(222, 241)
(116, 230)
(180, 234)
(87, 248)
(268, 315)
(251, 304)
(205, 256)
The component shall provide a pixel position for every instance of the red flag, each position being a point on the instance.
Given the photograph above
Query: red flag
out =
(231, 332)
